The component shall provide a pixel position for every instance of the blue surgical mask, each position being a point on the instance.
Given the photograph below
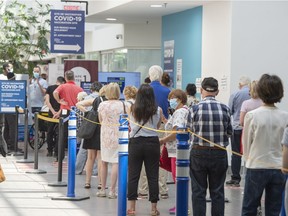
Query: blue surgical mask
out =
(173, 103)
(36, 75)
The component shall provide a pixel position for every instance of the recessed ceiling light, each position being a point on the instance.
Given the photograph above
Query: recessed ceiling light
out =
(156, 6)
(111, 19)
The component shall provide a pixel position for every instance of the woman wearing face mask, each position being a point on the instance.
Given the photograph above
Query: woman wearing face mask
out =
(177, 99)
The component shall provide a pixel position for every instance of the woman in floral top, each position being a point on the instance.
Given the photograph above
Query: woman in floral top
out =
(177, 99)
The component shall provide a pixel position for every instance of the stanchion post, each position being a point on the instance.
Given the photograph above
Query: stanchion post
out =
(72, 143)
(182, 172)
(122, 164)
(36, 140)
(60, 155)
(25, 160)
(284, 212)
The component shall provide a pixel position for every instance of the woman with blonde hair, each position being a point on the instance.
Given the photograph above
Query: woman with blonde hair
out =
(109, 112)
(252, 103)
(130, 95)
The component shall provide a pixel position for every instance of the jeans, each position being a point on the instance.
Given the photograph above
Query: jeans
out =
(256, 180)
(147, 150)
(235, 159)
(208, 167)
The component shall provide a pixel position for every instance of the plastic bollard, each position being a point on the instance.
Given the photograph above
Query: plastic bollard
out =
(122, 164)
(72, 142)
(182, 172)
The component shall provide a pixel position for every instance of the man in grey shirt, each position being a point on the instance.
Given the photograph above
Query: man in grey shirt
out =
(235, 102)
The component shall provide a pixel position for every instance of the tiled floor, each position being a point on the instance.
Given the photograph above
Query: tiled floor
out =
(25, 194)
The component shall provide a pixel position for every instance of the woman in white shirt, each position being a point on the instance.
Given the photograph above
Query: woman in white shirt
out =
(262, 134)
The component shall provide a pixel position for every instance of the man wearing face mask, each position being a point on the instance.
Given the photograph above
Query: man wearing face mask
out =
(37, 90)
(211, 120)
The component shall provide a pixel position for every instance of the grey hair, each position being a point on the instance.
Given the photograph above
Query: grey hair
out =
(244, 80)
(155, 73)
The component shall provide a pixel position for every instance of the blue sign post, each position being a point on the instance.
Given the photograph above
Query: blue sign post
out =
(13, 93)
(67, 31)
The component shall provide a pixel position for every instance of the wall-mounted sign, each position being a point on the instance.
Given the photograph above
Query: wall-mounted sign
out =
(67, 31)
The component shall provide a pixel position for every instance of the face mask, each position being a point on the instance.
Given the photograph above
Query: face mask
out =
(36, 75)
(173, 103)
(10, 70)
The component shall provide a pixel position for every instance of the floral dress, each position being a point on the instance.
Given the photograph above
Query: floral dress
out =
(109, 112)
(179, 119)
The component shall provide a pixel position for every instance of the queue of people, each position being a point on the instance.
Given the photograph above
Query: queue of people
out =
(251, 122)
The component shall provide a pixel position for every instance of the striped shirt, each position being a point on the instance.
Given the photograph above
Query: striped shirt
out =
(211, 120)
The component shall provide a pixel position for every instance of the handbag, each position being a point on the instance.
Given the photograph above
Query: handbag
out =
(165, 161)
(2, 176)
(88, 126)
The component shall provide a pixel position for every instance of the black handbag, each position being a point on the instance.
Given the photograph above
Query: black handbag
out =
(90, 121)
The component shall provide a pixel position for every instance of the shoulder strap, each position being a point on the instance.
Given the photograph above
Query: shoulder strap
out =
(124, 108)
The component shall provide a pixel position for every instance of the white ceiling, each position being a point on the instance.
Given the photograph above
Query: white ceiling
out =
(135, 11)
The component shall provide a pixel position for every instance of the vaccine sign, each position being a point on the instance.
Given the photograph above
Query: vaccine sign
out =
(67, 31)
(13, 93)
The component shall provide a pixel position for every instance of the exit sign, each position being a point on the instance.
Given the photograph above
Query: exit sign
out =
(72, 7)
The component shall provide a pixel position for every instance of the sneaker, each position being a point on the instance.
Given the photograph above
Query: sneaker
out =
(172, 211)
(101, 193)
(142, 196)
(233, 183)
(164, 196)
(112, 195)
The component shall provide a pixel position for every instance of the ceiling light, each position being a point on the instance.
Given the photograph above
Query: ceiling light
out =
(156, 6)
(111, 19)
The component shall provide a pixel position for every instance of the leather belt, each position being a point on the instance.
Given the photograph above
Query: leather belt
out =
(205, 147)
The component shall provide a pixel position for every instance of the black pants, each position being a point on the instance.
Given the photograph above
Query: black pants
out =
(235, 159)
(52, 137)
(9, 131)
(147, 150)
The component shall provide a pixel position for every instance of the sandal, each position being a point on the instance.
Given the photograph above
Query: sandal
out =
(155, 212)
(99, 186)
(131, 212)
(87, 185)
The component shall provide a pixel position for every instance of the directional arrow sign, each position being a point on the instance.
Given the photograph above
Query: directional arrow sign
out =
(67, 47)
(67, 31)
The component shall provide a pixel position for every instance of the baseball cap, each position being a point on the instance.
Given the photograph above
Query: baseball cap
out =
(210, 84)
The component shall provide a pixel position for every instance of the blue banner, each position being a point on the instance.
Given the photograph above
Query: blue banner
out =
(13, 93)
(67, 31)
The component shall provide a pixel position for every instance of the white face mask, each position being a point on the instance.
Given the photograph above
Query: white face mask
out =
(10, 70)
(36, 75)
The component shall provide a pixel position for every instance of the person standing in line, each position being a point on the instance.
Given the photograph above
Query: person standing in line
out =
(54, 107)
(10, 120)
(109, 112)
(82, 153)
(262, 134)
(144, 146)
(211, 120)
(37, 90)
(177, 99)
(285, 164)
(161, 94)
(235, 103)
(191, 91)
(92, 145)
(66, 96)
(250, 104)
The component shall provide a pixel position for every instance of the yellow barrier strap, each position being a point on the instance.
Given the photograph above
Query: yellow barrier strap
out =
(47, 119)
(194, 134)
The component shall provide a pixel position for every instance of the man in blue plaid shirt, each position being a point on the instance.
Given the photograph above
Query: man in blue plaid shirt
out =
(211, 120)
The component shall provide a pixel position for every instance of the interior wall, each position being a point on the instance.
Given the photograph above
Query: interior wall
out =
(185, 28)
(216, 46)
(260, 41)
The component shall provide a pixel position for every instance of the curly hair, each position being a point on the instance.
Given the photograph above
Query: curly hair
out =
(130, 92)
